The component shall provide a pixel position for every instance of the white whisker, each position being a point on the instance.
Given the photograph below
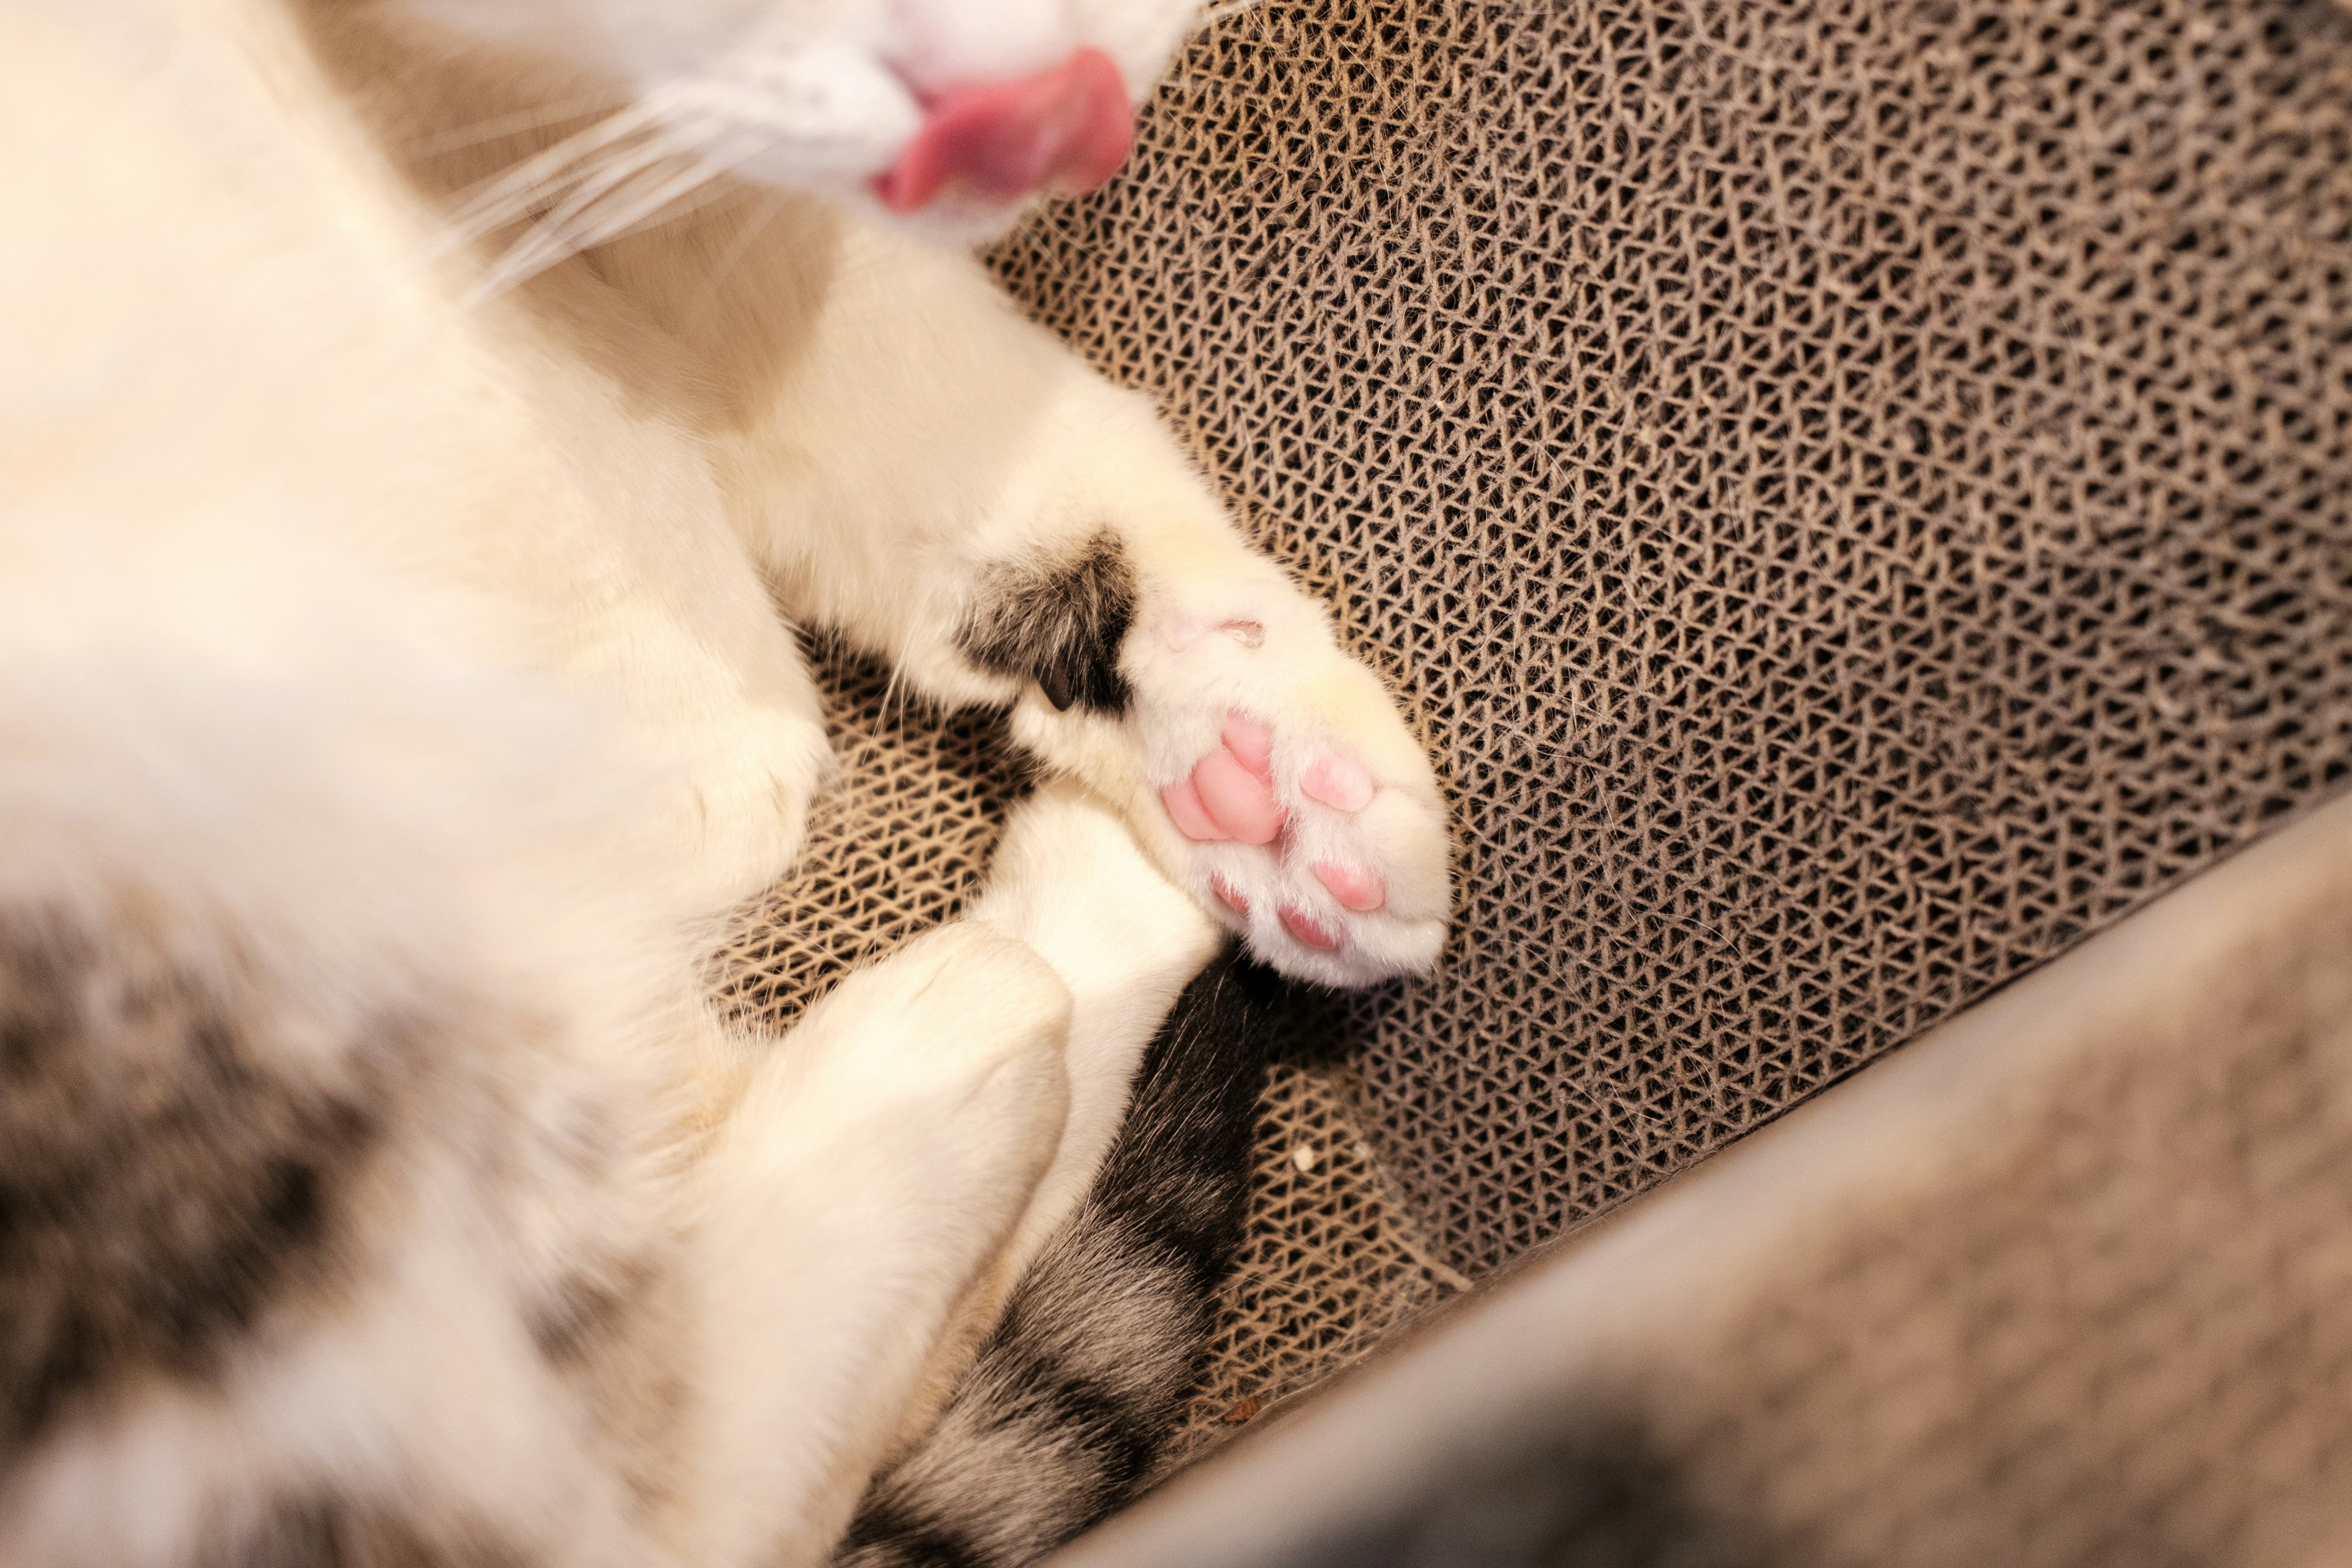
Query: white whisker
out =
(737, 249)
(664, 204)
(533, 182)
(652, 192)
(480, 130)
(1231, 8)
(611, 174)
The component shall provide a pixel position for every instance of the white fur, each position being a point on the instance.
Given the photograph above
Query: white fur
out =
(406, 604)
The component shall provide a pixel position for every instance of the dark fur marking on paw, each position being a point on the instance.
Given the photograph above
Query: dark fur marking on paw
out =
(163, 1178)
(332, 1533)
(1061, 626)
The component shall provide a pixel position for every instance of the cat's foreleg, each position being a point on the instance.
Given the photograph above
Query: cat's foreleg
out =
(950, 486)
(865, 1181)
(1069, 881)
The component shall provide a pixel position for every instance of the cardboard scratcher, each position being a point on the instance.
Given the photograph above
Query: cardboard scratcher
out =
(1857, 495)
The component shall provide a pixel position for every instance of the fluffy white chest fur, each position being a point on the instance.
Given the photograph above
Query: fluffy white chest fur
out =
(421, 421)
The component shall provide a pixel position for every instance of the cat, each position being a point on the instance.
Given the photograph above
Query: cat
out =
(424, 421)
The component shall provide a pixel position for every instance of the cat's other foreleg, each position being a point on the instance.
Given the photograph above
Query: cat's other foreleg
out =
(1070, 882)
(862, 1186)
(1120, 1263)
(951, 486)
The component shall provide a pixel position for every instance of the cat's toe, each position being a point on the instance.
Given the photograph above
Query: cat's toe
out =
(1230, 796)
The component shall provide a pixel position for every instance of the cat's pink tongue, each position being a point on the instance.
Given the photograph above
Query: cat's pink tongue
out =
(1065, 130)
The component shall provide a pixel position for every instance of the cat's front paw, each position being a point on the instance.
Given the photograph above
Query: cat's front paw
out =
(1304, 811)
(1267, 773)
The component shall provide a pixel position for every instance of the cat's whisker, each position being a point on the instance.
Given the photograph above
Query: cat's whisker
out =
(565, 203)
(769, 205)
(614, 173)
(1202, 87)
(546, 175)
(689, 191)
(1215, 15)
(622, 190)
(1063, 222)
(475, 132)
(652, 191)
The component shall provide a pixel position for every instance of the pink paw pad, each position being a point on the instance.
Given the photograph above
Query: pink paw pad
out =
(1353, 885)
(1191, 818)
(1242, 802)
(1337, 784)
(1252, 744)
(1229, 793)
(1229, 797)
(1298, 923)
